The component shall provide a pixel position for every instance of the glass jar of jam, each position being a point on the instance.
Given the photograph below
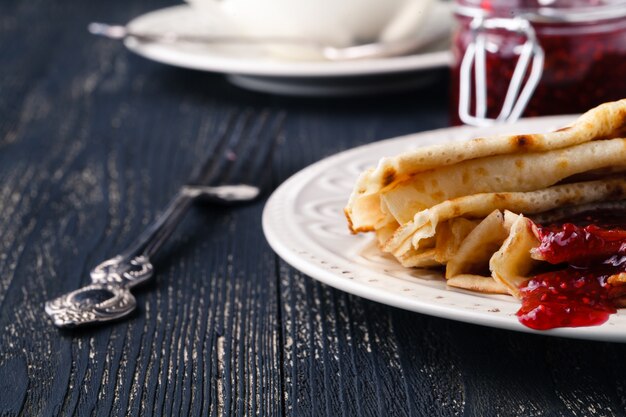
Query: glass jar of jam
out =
(516, 58)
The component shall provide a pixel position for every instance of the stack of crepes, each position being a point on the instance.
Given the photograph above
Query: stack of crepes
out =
(466, 206)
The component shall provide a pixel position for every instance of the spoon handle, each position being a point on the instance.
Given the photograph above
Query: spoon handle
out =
(327, 50)
(120, 32)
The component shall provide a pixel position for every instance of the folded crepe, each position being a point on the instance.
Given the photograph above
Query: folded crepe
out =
(465, 205)
(414, 235)
(418, 179)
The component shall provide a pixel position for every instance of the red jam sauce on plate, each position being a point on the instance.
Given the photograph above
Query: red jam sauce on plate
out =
(585, 252)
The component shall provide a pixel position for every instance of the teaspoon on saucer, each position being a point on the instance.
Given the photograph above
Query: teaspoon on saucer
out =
(329, 52)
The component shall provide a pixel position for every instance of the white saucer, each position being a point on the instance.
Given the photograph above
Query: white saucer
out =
(333, 86)
(254, 68)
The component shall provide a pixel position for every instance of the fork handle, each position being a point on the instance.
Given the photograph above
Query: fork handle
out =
(154, 236)
(133, 266)
(108, 297)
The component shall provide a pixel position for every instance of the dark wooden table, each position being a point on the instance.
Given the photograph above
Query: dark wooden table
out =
(93, 142)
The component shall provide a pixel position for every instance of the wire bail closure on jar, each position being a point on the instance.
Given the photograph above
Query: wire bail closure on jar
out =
(516, 97)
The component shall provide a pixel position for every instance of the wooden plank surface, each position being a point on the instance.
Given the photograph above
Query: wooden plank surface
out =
(93, 142)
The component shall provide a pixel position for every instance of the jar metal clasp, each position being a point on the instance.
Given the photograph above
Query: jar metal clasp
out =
(517, 95)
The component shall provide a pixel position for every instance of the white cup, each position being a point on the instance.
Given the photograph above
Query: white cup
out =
(335, 22)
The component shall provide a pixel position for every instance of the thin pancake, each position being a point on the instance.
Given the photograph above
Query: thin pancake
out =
(424, 224)
(511, 264)
(503, 173)
(607, 121)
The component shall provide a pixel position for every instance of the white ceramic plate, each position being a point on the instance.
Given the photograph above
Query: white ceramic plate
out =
(304, 223)
(254, 68)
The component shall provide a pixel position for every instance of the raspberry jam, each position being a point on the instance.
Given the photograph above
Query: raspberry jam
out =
(578, 292)
(569, 297)
(578, 245)
(585, 53)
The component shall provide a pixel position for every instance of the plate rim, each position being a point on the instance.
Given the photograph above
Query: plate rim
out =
(606, 332)
(278, 68)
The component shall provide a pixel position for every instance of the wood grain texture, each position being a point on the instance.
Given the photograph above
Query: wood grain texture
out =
(94, 140)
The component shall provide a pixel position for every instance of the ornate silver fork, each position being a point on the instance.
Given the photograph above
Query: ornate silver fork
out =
(235, 158)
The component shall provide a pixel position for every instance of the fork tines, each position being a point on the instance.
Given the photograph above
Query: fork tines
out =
(242, 154)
